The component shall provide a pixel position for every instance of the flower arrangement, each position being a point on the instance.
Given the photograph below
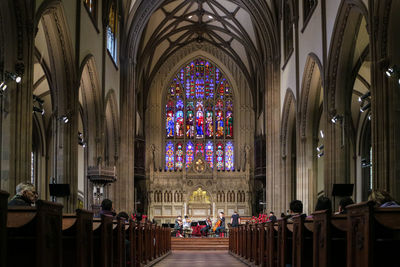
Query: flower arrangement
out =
(262, 218)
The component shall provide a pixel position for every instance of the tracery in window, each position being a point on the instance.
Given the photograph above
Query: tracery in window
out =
(287, 29)
(308, 6)
(199, 117)
(112, 32)
(91, 6)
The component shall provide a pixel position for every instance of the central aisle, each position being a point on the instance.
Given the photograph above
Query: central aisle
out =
(200, 258)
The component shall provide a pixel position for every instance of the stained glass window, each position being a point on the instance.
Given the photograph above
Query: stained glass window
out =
(189, 153)
(179, 156)
(199, 149)
(112, 31)
(169, 156)
(210, 153)
(220, 156)
(199, 116)
(229, 156)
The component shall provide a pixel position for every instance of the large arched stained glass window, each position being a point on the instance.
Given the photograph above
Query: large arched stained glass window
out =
(199, 117)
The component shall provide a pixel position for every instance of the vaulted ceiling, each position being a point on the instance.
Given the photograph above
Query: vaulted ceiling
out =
(226, 24)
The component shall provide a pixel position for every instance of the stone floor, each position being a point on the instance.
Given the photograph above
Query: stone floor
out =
(201, 258)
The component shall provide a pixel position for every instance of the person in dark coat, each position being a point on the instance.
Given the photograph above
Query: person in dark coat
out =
(26, 195)
(106, 208)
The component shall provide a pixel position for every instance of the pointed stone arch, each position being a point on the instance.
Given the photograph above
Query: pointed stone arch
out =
(112, 129)
(90, 99)
(51, 18)
(311, 110)
(338, 89)
(288, 138)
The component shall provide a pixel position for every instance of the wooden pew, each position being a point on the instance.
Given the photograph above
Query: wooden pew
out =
(34, 235)
(285, 230)
(3, 227)
(132, 236)
(77, 239)
(302, 243)
(271, 245)
(329, 239)
(102, 242)
(373, 235)
(119, 243)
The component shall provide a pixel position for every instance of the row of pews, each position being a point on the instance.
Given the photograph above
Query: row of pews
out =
(43, 236)
(366, 236)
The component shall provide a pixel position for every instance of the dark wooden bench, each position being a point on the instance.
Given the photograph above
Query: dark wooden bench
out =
(119, 243)
(77, 237)
(270, 258)
(34, 235)
(373, 235)
(3, 227)
(102, 242)
(329, 239)
(302, 243)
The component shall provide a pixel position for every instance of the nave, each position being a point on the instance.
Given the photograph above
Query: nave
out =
(197, 259)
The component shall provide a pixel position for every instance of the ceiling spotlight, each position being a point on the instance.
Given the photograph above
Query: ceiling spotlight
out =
(38, 110)
(320, 154)
(210, 17)
(365, 107)
(3, 86)
(14, 77)
(364, 96)
(64, 119)
(336, 118)
(320, 148)
(190, 17)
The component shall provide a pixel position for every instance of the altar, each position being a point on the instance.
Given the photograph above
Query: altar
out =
(198, 192)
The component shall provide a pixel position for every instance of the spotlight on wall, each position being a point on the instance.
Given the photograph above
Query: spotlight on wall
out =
(365, 163)
(369, 117)
(364, 96)
(321, 133)
(3, 86)
(320, 148)
(64, 119)
(390, 71)
(321, 154)
(38, 110)
(81, 141)
(38, 99)
(14, 76)
(337, 118)
(365, 107)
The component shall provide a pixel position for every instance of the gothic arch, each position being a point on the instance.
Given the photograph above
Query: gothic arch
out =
(312, 129)
(288, 149)
(112, 128)
(338, 89)
(90, 99)
(52, 26)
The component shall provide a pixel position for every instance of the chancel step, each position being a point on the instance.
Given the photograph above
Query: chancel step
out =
(199, 243)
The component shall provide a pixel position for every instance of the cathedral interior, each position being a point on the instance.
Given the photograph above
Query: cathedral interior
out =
(175, 107)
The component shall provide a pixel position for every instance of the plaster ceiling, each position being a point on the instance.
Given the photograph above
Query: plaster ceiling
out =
(177, 23)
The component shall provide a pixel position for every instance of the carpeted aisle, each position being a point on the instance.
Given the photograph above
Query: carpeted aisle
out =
(201, 258)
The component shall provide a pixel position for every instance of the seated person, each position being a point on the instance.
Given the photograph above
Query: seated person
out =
(107, 208)
(186, 223)
(383, 199)
(205, 229)
(296, 208)
(344, 202)
(26, 195)
(179, 226)
(221, 228)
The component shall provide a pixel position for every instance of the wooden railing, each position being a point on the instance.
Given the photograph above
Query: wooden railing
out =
(43, 236)
(366, 236)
